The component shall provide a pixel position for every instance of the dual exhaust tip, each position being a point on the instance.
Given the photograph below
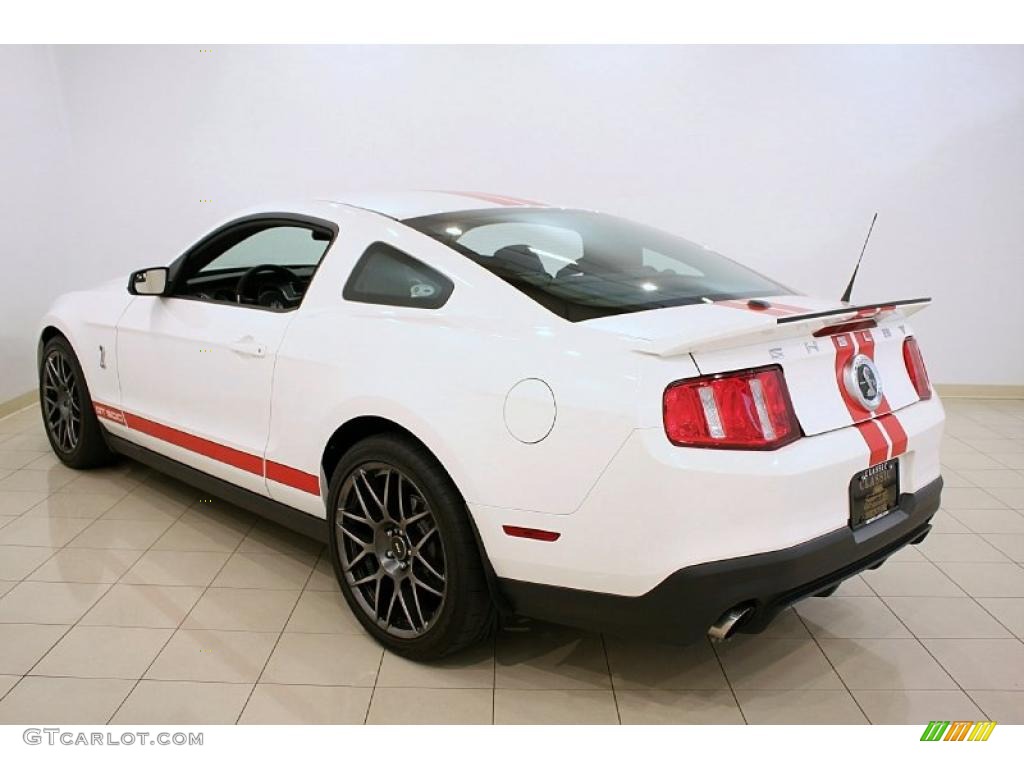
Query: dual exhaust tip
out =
(728, 623)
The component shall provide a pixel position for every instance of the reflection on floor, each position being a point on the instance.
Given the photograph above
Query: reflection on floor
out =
(126, 598)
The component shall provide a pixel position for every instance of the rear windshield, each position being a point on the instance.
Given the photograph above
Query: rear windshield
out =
(582, 265)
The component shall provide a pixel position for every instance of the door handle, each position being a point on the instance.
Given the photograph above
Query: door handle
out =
(249, 347)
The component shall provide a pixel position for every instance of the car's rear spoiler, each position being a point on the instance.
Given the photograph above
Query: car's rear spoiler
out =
(753, 327)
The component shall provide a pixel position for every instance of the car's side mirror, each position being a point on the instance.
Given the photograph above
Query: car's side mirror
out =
(148, 282)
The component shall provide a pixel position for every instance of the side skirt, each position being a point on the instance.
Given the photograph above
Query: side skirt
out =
(300, 522)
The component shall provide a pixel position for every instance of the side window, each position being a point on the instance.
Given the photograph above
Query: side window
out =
(262, 263)
(280, 246)
(385, 275)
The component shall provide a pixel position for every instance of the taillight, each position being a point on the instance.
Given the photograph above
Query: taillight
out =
(915, 367)
(748, 410)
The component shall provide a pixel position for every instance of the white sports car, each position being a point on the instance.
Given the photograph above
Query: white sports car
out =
(485, 405)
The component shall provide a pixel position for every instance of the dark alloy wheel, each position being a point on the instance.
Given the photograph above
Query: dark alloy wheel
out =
(71, 425)
(404, 550)
(62, 403)
(391, 554)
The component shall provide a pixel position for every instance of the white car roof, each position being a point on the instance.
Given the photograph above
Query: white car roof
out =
(409, 205)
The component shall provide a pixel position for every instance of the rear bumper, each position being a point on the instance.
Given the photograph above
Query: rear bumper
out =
(684, 605)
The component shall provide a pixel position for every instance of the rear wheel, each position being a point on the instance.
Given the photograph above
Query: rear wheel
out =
(404, 552)
(71, 425)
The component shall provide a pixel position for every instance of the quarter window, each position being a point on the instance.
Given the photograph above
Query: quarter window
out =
(385, 275)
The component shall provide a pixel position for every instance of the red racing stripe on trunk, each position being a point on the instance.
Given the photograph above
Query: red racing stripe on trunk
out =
(878, 446)
(496, 199)
(888, 420)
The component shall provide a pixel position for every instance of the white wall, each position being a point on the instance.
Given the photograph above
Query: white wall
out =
(777, 156)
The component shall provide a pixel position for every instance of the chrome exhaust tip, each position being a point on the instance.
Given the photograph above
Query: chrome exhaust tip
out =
(726, 625)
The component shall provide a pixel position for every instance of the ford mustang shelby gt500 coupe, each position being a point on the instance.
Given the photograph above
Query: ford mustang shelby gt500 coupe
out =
(484, 406)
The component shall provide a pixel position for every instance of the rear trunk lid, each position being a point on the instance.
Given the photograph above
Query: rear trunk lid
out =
(820, 346)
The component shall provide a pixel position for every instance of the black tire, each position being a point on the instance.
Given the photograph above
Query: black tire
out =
(465, 614)
(86, 448)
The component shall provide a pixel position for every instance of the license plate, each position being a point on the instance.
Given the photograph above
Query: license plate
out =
(874, 492)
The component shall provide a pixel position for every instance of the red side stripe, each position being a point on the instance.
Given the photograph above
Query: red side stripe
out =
(247, 462)
(531, 533)
(222, 453)
(304, 481)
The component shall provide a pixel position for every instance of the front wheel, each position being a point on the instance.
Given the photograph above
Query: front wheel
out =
(404, 551)
(71, 425)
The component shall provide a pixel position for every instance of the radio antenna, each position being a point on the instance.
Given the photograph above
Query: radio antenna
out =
(853, 277)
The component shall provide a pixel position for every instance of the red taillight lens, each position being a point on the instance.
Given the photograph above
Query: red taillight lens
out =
(915, 367)
(748, 410)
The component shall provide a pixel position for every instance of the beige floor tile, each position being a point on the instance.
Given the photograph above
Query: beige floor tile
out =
(28, 440)
(90, 566)
(753, 662)
(430, 706)
(255, 610)
(969, 498)
(643, 665)
(944, 522)
(472, 668)
(916, 707)
(304, 659)
(213, 656)
(538, 655)
(1011, 497)
(960, 548)
(323, 578)
(176, 568)
(12, 459)
(16, 502)
(800, 708)
(1009, 611)
(661, 707)
(324, 612)
(962, 462)
(911, 579)
(63, 701)
(42, 531)
(992, 520)
(45, 481)
(1005, 707)
(885, 664)
(195, 532)
(855, 586)
(850, 617)
(987, 579)
(1011, 460)
(572, 707)
(18, 562)
(111, 482)
(1010, 544)
(7, 519)
(994, 478)
(983, 664)
(120, 534)
(946, 617)
(268, 538)
(74, 505)
(6, 586)
(121, 652)
(149, 506)
(256, 570)
(273, 704)
(168, 702)
(22, 645)
(38, 602)
(7, 682)
(139, 605)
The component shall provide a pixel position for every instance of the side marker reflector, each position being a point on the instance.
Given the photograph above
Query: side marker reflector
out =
(530, 533)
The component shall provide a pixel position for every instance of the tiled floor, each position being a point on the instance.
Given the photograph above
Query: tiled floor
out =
(128, 598)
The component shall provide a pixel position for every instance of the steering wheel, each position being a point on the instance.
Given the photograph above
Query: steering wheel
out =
(245, 282)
